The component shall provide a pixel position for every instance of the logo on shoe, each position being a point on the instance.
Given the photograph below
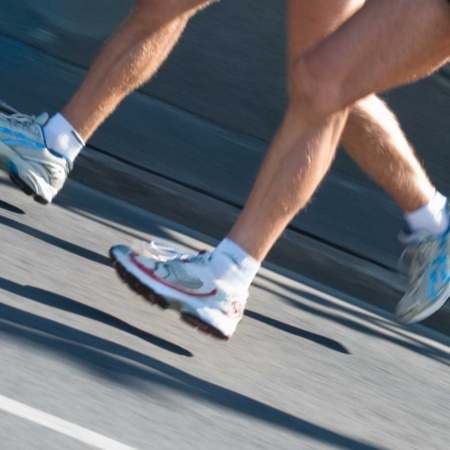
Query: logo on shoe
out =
(175, 284)
(236, 309)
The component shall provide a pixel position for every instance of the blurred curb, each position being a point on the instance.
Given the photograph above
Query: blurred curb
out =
(303, 255)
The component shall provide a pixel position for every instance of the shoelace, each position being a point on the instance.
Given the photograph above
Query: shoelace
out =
(414, 261)
(24, 120)
(163, 251)
(412, 243)
(160, 250)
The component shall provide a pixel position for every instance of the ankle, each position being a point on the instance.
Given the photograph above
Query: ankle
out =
(432, 218)
(233, 265)
(62, 138)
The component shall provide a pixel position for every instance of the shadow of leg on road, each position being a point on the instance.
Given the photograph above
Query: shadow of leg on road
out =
(118, 363)
(332, 305)
(355, 324)
(104, 222)
(57, 242)
(295, 331)
(66, 304)
(11, 208)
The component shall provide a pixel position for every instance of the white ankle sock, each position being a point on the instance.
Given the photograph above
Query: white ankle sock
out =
(233, 265)
(432, 218)
(62, 138)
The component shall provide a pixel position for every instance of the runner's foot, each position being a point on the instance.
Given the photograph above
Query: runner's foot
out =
(427, 260)
(24, 155)
(185, 283)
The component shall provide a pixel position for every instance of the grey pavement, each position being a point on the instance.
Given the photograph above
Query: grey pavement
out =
(309, 367)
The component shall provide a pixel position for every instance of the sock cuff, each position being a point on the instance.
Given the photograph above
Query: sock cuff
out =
(60, 123)
(233, 265)
(238, 255)
(62, 138)
(432, 217)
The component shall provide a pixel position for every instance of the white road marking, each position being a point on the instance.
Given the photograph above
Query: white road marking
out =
(59, 425)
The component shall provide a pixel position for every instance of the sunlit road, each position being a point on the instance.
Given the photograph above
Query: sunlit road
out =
(87, 364)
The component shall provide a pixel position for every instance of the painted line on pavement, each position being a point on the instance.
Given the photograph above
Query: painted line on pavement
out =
(59, 425)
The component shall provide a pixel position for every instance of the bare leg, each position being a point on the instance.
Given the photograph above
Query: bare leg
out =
(384, 45)
(412, 38)
(299, 158)
(323, 85)
(372, 135)
(376, 142)
(128, 60)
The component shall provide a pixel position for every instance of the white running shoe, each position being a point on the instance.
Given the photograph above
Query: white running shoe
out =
(24, 155)
(185, 283)
(427, 261)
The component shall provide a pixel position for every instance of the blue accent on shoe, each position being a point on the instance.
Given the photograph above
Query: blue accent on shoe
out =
(58, 155)
(15, 134)
(13, 168)
(24, 143)
(439, 274)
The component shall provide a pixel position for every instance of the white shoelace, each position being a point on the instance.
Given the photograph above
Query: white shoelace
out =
(160, 250)
(415, 244)
(24, 120)
(164, 251)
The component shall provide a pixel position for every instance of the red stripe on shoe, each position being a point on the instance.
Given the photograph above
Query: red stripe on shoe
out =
(150, 273)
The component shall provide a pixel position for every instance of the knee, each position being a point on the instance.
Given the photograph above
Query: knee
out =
(317, 91)
(367, 111)
(164, 11)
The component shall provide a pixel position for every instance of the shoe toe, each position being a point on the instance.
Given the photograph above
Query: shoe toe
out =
(119, 250)
(407, 310)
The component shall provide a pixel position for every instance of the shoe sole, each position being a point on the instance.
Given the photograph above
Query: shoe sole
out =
(154, 298)
(26, 189)
(428, 312)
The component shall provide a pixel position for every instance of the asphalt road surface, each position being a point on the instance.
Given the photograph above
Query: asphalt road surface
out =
(84, 363)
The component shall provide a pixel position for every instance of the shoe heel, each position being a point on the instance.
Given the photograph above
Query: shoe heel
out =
(203, 326)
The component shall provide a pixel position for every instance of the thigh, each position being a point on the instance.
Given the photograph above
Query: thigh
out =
(310, 21)
(385, 44)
